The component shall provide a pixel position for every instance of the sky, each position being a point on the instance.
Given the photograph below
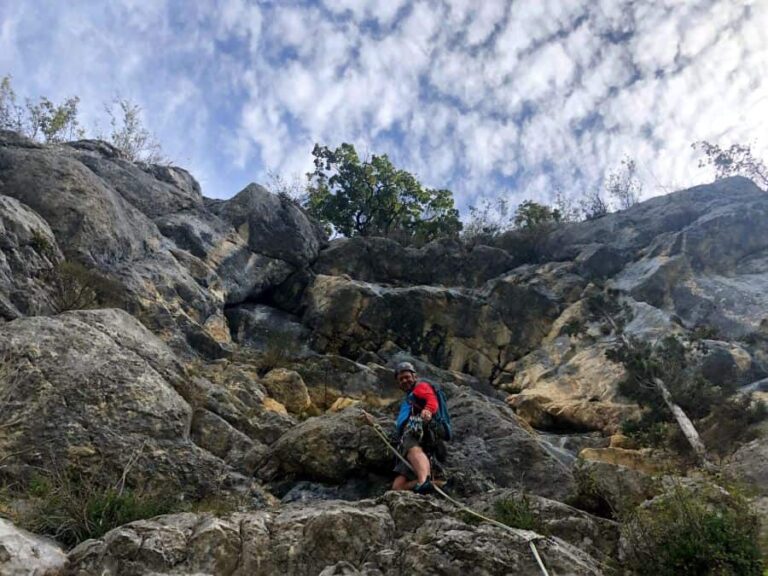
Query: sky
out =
(495, 98)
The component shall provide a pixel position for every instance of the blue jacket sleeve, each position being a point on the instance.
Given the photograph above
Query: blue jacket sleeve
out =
(403, 415)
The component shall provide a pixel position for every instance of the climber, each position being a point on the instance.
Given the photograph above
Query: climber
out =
(422, 426)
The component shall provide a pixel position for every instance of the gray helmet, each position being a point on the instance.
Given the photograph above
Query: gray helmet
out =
(404, 367)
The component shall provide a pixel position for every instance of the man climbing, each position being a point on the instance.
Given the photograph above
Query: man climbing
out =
(419, 434)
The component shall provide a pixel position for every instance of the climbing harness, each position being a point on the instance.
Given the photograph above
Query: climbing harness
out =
(415, 426)
(530, 539)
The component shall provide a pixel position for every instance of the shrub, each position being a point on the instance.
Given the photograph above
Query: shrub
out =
(72, 507)
(129, 135)
(623, 184)
(736, 160)
(694, 532)
(519, 513)
(75, 287)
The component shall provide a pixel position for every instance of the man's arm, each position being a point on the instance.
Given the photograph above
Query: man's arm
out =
(425, 392)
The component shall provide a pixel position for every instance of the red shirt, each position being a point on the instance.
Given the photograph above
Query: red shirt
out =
(426, 395)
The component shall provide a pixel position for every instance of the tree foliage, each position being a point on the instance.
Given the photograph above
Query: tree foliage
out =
(129, 135)
(46, 121)
(737, 160)
(43, 120)
(373, 198)
(532, 215)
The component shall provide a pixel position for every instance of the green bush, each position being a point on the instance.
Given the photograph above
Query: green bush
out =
(71, 507)
(696, 532)
(519, 513)
(75, 287)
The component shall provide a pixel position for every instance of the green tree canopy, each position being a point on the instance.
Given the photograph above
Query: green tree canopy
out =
(532, 215)
(373, 198)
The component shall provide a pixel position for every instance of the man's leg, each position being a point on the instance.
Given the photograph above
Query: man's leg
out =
(420, 462)
(402, 483)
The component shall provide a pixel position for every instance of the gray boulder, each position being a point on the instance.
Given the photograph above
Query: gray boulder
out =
(442, 262)
(93, 390)
(28, 251)
(271, 225)
(25, 554)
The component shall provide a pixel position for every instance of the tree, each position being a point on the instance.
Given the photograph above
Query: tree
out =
(43, 121)
(373, 198)
(623, 185)
(532, 215)
(737, 160)
(129, 135)
(11, 114)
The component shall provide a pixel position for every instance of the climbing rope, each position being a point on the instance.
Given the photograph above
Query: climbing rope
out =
(464, 508)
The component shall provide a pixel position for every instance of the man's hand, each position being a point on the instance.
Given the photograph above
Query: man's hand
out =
(426, 415)
(368, 418)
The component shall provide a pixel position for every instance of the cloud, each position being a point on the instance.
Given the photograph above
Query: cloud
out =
(513, 98)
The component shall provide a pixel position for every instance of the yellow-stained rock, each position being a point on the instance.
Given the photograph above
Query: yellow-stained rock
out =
(342, 403)
(217, 328)
(288, 388)
(621, 441)
(633, 459)
(274, 406)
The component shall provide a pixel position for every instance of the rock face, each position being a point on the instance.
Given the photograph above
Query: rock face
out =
(24, 554)
(249, 346)
(396, 534)
(462, 330)
(271, 225)
(384, 261)
(92, 390)
(28, 251)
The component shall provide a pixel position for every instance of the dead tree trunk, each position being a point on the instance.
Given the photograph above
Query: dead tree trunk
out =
(685, 424)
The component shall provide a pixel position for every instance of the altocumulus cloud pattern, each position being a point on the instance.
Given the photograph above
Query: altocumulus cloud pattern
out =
(514, 97)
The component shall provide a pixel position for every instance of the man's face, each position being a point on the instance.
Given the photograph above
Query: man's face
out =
(406, 380)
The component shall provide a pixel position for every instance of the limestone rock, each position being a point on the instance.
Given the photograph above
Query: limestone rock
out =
(263, 328)
(452, 328)
(271, 225)
(366, 537)
(492, 448)
(287, 387)
(95, 389)
(25, 554)
(330, 448)
(329, 377)
(568, 385)
(750, 462)
(28, 250)
(597, 536)
(442, 262)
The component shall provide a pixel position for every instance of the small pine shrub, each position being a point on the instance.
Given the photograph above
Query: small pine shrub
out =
(694, 533)
(519, 513)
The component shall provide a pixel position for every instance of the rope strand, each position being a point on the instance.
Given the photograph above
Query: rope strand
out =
(463, 507)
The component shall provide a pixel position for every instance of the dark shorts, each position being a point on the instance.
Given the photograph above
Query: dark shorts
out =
(431, 442)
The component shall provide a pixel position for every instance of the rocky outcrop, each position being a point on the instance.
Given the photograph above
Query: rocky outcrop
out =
(470, 331)
(93, 390)
(28, 252)
(396, 534)
(383, 261)
(25, 554)
(271, 225)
